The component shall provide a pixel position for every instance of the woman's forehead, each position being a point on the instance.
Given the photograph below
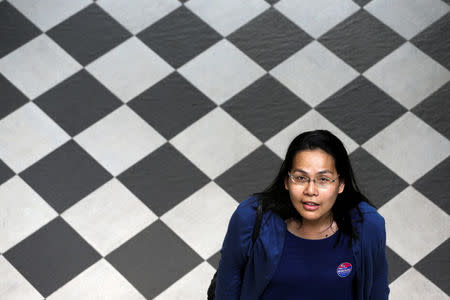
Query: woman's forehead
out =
(313, 161)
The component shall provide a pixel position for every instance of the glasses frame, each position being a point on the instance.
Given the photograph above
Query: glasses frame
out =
(291, 177)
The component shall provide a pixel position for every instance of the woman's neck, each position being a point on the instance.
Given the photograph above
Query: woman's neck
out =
(312, 229)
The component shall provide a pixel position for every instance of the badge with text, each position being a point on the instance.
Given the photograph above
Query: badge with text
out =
(344, 269)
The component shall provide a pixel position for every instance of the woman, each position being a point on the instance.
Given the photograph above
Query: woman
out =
(320, 238)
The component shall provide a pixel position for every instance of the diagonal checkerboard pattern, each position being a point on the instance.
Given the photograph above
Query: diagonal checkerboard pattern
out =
(130, 131)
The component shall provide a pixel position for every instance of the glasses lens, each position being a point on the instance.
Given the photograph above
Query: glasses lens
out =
(323, 181)
(320, 181)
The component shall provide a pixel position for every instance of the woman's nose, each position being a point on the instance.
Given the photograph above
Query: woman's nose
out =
(311, 188)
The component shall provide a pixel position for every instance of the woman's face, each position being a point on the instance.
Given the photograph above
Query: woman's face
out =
(313, 201)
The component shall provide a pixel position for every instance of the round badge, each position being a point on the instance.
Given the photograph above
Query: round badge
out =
(344, 269)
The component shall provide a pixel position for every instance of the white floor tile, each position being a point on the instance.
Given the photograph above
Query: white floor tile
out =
(202, 219)
(191, 286)
(99, 282)
(227, 142)
(38, 66)
(109, 216)
(408, 75)
(139, 14)
(415, 226)
(407, 17)
(414, 286)
(125, 70)
(13, 285)
(48, 13)
(22, 212)
(27, 135)
(120, 140)
(319, 16)
(314, 73)
(225, 16)
(409, 147)
(221, 71)
(310, 121)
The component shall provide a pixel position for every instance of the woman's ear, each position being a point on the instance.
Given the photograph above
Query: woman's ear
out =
(286, 186)
(341, 186)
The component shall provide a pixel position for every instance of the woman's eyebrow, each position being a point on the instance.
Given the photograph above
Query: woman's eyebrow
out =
(320, 172)
(325, 171)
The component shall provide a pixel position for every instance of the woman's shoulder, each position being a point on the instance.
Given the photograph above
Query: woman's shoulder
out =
(244, 215)
(373, 222)
(248, 206)
(369, 210)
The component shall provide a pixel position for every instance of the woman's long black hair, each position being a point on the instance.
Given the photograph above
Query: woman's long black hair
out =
(276, 198)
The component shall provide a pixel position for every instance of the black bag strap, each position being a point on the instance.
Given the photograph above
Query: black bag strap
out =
(257, 226)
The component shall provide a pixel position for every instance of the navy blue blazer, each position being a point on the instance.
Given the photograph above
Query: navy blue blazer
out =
(244, 272)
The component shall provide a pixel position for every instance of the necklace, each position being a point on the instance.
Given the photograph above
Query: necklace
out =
(323, 233)
(329, 227)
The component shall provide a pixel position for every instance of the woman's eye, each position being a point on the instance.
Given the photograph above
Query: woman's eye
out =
(324, 179)
(302, 178)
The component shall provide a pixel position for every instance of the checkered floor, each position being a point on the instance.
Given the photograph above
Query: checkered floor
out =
(131, 130)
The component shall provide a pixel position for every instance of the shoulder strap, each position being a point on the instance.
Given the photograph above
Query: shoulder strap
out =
(259, 214)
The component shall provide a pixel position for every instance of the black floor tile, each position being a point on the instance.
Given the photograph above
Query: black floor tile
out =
(250, 175)
(435, 110)
(163, 179)
(361, 40)
(435, 41)
(154, 259)
(361, 2)
(396, 265)
(52, 256)
(78, 102)
(436, 266)
(270, 38)
(89, 34)
(214, 260)
(361, 109)
(171, 105)
(15, 29)
(65, 176)
(11, 97)
(5, 172)
(251, 107)
(435, 185)
(179, 37)
(378, 183)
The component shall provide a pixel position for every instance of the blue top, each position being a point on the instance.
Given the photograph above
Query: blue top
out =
(313, 269)
(246, 269)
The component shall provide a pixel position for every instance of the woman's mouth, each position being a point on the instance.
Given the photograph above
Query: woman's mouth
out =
(311, 206)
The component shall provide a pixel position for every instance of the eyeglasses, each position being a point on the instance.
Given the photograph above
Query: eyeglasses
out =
(320, 181)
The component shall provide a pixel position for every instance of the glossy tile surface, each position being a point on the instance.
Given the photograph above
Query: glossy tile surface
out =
(131, 130)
